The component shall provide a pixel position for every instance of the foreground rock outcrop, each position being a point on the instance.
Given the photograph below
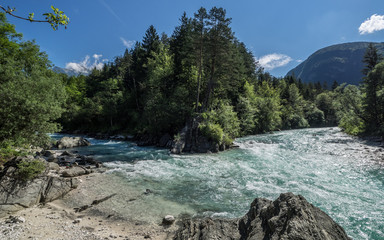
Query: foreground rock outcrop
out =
(70, 142)
(288, 217)
(51, 184)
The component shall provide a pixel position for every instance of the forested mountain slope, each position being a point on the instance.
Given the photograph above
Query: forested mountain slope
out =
(341, 63)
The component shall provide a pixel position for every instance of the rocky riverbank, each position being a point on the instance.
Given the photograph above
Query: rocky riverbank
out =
(50, 175)
(100, 219)
(288, 217)
(60, 220)
(82, 213)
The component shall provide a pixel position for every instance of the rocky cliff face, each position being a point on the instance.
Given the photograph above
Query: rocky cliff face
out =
(16, 194)
(288, 217)
(341, 63)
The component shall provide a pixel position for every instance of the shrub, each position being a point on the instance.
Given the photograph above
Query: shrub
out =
(316, 117)
(7, 151)
(352, 124)
(212, 131)
(298, 121)
(28, 170)
(227, 141)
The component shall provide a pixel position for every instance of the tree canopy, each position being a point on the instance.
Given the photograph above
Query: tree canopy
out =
(31, 94)
(201, 76)
(55, 18)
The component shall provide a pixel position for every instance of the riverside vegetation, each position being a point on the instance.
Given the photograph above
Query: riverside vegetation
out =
(201, 76)
(200, 85)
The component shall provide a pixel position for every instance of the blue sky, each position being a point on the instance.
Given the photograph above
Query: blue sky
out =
(280, 33)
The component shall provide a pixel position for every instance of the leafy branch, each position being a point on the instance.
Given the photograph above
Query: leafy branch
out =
(55, 18)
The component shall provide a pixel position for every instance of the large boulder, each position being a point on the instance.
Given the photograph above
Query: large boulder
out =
(16, 194)
(70, 142)
(288, 217)
(75, 171)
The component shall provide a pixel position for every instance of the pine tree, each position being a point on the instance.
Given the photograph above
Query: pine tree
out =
(371, 85)
(151, 41)
(200, 29)
(371, 58)
(335, 84)
(219, 39)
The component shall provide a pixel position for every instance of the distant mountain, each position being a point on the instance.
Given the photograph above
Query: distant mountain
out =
(69, 72)
(341, 62)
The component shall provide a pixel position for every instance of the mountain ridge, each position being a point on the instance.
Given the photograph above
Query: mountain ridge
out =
(339, 62)
(69, 72)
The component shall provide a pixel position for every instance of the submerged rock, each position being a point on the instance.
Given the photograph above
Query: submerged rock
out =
(70, 142)
(288, 217)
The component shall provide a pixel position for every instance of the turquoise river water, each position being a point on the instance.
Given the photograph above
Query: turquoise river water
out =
(324, 165)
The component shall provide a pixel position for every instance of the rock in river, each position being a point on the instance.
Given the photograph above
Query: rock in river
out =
(70, 142)
(288, 217)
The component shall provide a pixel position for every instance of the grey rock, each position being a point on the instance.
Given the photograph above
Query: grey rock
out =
(52, 159)
(190, 139)
(57, 187)
(16, 194)
(53, 166)
(77, 220)
(168, 220)
(70, 142)
(74, 171)
(15, 219)
(180, 141)
(207, 229)
(66, 153)
(48, 153)
(288, 217)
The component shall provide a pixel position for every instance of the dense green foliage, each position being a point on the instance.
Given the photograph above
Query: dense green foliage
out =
(360, 110)
(31, 95)
(200, 72)
(29, 169)
(7, 151)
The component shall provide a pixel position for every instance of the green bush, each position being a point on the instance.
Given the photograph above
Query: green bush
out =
(212, 131)
(298, 121)
(352, 124)
(227, 141)
(7, 151)
(316, 117)
(28, 170)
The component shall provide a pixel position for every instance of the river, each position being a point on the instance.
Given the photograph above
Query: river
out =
(333, 171)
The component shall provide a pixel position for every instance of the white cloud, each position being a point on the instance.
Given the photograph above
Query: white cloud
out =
(274, 60)
(127, 43)
(86, 66)
(372, 24)
(97, 56)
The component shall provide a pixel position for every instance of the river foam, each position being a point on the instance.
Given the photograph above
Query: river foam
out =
(330, 169)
